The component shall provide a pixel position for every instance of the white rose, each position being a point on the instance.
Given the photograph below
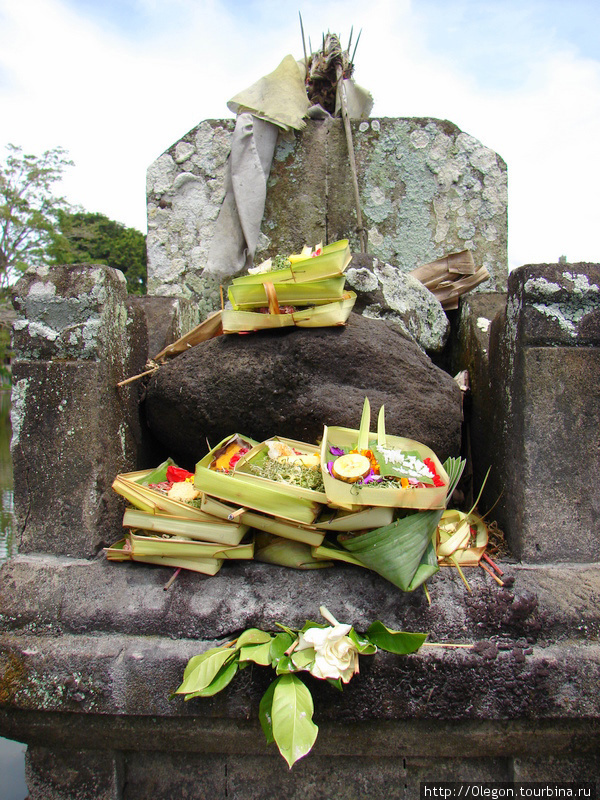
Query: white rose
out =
(336, 655)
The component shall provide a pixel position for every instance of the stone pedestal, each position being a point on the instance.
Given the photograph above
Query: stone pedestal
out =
(545, 384)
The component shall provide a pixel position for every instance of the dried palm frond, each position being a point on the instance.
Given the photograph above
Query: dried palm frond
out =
(323, 73)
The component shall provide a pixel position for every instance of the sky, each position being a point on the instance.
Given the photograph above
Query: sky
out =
(117, 82)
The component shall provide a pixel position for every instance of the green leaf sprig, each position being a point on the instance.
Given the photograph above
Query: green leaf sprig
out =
(328, 652)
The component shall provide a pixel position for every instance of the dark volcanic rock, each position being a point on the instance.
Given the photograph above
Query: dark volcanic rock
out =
(293, 381)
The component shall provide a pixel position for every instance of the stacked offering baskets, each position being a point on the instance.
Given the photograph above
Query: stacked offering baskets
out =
(306, 290)
(371, 500)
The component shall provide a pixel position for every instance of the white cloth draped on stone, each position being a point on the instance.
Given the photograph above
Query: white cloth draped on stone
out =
(238, 224)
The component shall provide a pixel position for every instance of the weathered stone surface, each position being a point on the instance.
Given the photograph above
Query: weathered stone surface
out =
(449, 742)
(53, 774)
(59, 596)
(553, 501)
(73, 429)
(575, 768)
(66, 312)
(559, 304)
(470, 352)
(544, 382)
(293, 381)
(70, 440)
(184, 198)
(101, 679)
(385, 292)
(135, 675)
(177, 774)
(167, 319)
(427, 189)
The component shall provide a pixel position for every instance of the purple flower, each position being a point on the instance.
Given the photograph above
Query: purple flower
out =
(337, 451)
(330, 468)
(370, 477)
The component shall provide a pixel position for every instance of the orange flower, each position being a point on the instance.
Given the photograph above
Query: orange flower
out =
(369, 454)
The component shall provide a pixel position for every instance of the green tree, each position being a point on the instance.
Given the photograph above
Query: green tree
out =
(28, 208)
(83, 237)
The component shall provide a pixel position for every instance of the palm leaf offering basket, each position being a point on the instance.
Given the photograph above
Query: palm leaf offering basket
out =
(399, 529)
(320, 316)
(135, 487)
(143, 544)
(121, 551)
(309, 293)
(257, 457)
(244, 490)
(381, 447)
(246, 297)
(330, 263)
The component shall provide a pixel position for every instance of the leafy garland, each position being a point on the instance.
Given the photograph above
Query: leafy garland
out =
(328, 652)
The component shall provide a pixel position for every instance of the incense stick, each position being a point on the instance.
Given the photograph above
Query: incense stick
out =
(492, 564)
(489, 572)
(171, 580)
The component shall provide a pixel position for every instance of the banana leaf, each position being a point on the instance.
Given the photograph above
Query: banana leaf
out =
(330, 552)
(206, 330)
(313, 293)
(279, 527)
(402, 552)
(285, 553)
(204, 530)
(148, 545)
(206, 566)
(333, 261)
(363, 519)
(328, 315)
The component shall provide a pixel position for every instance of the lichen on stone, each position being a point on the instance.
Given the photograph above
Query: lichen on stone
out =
(18, 409)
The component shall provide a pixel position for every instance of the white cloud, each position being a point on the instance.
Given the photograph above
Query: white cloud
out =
(116, 96)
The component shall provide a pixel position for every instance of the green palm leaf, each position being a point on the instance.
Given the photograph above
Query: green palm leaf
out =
(400, 552)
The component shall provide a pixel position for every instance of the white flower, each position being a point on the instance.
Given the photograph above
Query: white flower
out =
(336, 655)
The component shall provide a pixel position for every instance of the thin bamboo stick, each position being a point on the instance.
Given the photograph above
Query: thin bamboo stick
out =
(304, 48)
(446, 644)
(492, 564)
(137, 377)
(359, 221)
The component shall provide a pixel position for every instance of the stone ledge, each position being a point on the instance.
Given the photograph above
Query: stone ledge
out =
(102, 639)
(135, 675)
(48, 595)
(436, 739)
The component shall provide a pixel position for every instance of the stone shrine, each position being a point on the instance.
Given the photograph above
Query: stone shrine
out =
(90, 650)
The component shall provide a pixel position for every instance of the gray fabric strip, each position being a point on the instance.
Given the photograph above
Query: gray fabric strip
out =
(238, 224)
